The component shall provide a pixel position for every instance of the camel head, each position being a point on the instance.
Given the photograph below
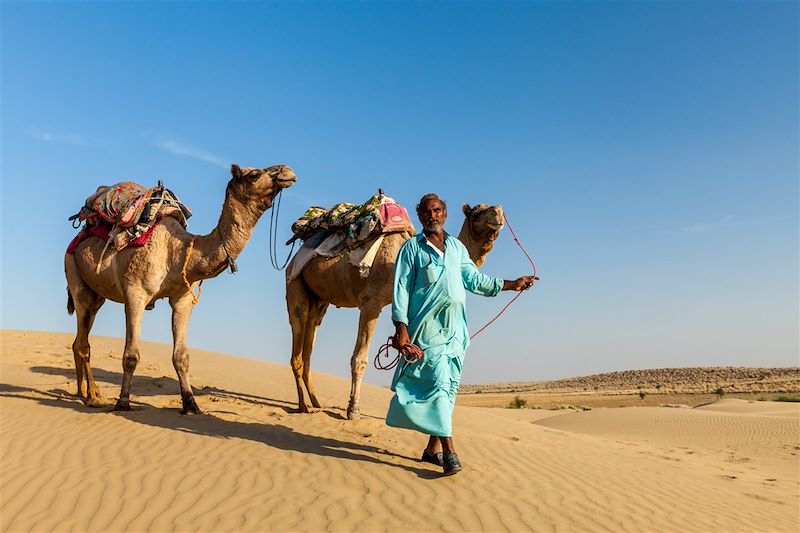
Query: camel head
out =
(484, 221)
(259, 186)
(481, 228)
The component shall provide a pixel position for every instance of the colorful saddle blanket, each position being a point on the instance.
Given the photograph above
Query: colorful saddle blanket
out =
(131, 209)
(354, 223)
(357, 230)
(103, 230)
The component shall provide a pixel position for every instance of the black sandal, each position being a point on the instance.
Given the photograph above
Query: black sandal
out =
(433, 458)
(451, 465)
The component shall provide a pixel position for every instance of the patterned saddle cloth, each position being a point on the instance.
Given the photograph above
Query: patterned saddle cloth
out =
(131, 209)
(354, 223)
(356, 230)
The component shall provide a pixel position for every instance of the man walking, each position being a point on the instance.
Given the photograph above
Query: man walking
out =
(432, 274)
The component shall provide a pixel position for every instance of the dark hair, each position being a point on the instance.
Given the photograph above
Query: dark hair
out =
(427, 198)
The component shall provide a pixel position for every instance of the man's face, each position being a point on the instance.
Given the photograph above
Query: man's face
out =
(433, 215)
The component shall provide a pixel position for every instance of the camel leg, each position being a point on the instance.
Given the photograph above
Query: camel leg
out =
(298, 303)
(86, 304)
(181, 313)
(82, 353)
(358, 363)
(134, 309)
(315, 315)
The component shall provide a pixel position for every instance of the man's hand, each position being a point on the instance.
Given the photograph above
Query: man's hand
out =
(401, 337)
(402, 343)
(412, 353)
(520, 284)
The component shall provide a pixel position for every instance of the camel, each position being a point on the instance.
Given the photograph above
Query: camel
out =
(137, 277)
(333, 280)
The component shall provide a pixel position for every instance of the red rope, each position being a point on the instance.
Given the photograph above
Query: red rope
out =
(516, 240)
(384, 349)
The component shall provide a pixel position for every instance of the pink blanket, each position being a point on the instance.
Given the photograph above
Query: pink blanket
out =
(103, 230)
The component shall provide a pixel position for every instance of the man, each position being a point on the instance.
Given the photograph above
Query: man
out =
(432, 274)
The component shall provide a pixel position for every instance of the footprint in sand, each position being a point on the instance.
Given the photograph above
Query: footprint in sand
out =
(763, 499)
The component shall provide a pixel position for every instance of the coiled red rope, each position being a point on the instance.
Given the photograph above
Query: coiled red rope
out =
(384, 349)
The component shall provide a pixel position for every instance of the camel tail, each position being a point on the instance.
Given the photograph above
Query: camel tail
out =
(70, 303)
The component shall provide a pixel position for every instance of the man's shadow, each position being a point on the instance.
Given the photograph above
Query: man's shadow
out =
(273, 435)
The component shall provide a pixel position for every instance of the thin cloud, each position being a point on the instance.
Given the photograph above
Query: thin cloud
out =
(185, 149)
(61, 138)
(704, 227)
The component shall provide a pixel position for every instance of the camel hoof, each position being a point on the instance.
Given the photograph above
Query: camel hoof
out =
(353, 413)
(303, 408)
(122, 405)
(190, 406)
(99, 401)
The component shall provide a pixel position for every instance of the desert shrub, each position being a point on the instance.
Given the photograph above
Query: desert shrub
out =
(787, 399)
(517, 403)
(720, 392)
(642, 394)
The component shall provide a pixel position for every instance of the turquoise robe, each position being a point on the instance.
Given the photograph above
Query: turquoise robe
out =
(430, 296)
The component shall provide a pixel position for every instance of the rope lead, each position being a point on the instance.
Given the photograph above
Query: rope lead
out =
(384, 349)
(186, 280)
(273, 235)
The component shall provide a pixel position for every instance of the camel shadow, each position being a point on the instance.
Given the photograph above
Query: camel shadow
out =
(163, 385)
(144, 385)
(287, 406)
(273, 435)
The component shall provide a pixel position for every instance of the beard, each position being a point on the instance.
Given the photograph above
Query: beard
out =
(433, 227)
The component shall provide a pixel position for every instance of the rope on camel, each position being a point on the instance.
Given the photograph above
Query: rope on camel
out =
(186, 280)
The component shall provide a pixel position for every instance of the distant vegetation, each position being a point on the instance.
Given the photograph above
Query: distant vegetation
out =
(787, 399)
(517, 403)
(728, 381)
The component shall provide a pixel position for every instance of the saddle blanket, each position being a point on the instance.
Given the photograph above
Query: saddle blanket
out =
(329, 245)
(131, 209)
(356, 230)
(103, 230)
(356, 223)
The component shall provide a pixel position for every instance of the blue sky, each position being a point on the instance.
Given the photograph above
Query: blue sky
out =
(646, 154)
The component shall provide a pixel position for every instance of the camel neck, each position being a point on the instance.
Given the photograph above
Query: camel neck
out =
(227, 240)
(478, 251)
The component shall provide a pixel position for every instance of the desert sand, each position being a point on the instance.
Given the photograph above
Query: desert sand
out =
(250, 463)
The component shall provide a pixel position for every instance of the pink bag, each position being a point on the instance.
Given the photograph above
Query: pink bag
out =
(395, 218)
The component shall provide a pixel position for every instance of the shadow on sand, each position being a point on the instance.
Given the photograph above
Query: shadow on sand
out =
(163, 385)
(274, 435)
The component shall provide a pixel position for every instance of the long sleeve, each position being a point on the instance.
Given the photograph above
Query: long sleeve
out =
(476, 282)
(403, 284)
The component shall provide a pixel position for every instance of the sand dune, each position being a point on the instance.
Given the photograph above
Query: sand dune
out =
(251, 463)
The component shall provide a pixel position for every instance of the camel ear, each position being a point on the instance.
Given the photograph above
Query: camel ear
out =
(467, 209)
(236, 172)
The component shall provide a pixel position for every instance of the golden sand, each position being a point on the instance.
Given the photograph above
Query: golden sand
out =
(252, 464)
